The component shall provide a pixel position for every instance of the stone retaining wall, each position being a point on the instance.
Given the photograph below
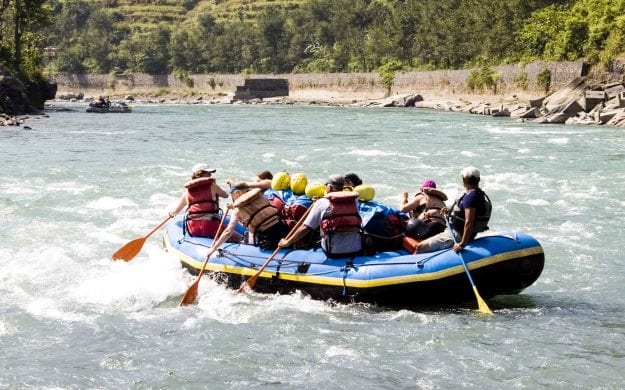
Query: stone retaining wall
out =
(450, 80)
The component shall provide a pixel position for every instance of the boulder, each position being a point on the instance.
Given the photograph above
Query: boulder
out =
(38, 91)
(591, 99)
(613, 90)
(564, 96)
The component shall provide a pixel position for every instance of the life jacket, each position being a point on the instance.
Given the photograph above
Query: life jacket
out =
(278, 198)
(434, 203)
(341, 234)
(481, 219)
(294, 208)
(202, 203)
(255, 212)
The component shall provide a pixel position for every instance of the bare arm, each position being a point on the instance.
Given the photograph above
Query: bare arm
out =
(300, 233)
(234, 219)
(265, 184)
(413, 204)
(469, 219)
(182, 203)
(218, 191)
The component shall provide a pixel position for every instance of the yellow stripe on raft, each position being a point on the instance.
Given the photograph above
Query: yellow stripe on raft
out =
(357, 283)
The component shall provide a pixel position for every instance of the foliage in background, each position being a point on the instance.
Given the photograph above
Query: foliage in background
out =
(283, 36)
(483, 78)
(21, 37)
(387, 73)
(544, 80)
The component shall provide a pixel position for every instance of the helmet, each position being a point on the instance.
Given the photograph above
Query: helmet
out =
(365, 192)
(416, 228)
(280, 181)
(298, 183)
(315, 190)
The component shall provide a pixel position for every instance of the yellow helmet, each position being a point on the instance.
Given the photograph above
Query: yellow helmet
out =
(315, 190)
(365, 192)
(298, 183)
(280, 181)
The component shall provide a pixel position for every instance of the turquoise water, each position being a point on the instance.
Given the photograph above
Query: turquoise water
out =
(77, 186)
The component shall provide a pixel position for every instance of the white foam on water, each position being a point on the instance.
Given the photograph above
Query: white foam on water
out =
(52, 309)
(531, 202)
(132, 286)
(575, 230)
(333, 351)
(468, 153)
(16, 188)
(110, 203)
(558, 141)
(512, 181)
(220, 303)
(524, 151)
(506, 130)
(371, 153)
(291, 164)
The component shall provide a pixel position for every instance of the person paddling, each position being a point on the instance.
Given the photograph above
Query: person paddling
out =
(252, 210)
(469, 215)
(201, 198)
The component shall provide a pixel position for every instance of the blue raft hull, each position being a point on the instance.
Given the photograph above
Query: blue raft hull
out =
(500, 264)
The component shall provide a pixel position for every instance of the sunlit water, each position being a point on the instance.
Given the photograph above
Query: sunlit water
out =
(77, 186)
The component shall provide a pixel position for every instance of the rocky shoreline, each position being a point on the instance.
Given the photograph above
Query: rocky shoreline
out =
(18, 99)
(579, 102)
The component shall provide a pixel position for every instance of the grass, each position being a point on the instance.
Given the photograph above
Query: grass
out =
(150, 13)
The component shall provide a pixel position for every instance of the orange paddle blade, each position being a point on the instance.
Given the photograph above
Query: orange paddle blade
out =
(130, 250)
(191, 295)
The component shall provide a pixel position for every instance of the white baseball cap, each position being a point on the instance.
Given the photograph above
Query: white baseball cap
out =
(201, 167)
(471, 172)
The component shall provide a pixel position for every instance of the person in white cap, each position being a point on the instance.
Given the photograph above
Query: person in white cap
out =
(469, 215)
(201, 200)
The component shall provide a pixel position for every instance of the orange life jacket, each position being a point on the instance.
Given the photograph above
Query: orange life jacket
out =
(341, 233)
(202, 202)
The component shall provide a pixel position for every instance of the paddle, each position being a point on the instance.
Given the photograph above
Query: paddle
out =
(130, 250)
(252, 280)
(481, 304)
(191, 294)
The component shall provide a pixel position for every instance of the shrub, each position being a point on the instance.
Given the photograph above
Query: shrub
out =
(483, 78)
(544, 80)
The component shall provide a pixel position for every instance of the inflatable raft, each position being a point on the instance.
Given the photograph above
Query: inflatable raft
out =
(499, 264)
(115, 107)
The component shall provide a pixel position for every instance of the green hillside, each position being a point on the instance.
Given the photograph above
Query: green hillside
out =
(305, 36)
(145, 14)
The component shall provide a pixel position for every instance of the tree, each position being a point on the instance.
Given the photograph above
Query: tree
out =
(23, 20)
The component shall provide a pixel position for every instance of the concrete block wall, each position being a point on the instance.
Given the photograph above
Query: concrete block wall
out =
(561, 74)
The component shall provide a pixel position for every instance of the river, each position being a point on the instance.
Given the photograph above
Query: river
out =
(76, 186)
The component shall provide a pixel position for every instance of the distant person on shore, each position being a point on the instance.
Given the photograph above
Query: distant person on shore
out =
(201, 199)
(252, 210)
(425, 211)
(469, 215)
